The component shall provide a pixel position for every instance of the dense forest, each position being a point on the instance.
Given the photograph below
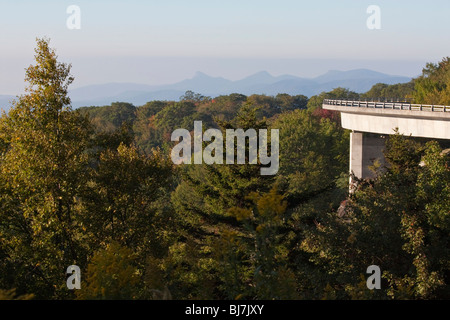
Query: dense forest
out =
(95, 187)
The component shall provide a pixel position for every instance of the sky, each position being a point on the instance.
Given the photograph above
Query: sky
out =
(165, 41)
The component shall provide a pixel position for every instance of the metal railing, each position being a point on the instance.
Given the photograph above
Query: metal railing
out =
(386, 105)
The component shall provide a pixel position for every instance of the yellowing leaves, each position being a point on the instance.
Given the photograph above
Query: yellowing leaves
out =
(240, 213)
(269, 206)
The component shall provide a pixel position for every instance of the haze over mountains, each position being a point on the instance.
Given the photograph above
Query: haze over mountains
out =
(359, 80)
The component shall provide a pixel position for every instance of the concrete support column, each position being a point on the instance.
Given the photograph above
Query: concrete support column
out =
(365, 149)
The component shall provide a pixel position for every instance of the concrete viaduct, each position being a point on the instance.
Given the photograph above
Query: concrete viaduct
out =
(370, 122)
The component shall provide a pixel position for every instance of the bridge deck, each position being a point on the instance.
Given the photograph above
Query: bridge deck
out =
(387, 105)
(419, 120)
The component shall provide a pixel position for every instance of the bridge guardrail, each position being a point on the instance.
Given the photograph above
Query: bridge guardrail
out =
(387, 105)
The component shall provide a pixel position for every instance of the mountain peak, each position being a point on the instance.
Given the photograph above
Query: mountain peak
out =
(259, 77)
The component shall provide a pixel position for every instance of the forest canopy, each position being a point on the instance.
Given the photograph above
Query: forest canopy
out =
(95, 187)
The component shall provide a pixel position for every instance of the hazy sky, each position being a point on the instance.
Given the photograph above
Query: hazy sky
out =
(164, 41)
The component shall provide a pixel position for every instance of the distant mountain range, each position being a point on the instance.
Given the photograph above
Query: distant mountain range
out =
(359, 80)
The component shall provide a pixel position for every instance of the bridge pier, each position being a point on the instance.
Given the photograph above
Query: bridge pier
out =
(371, 120)
(365, 149)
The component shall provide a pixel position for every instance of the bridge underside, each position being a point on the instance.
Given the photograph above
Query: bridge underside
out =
(385, 124)
(426, 124)
(372, 122)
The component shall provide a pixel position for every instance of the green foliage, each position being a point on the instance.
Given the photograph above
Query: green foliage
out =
(315, 102)
(190, 96)
(393, 92)
(42, 172)
(125, 185)
(95, 187)
(225, 186)
(312, 151)
(287, 102)
(144, 127)
(433, 86)
(67, 191)
(173, 116)
(264, 248)
(223, 108)
(153, 123)
(11, 295)
(177, 115)
(387, 223)
(313, 176)
(109, 118)
(111, 275)
(267, 106)
(243, 225)
(188, 271)
(207, 192)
